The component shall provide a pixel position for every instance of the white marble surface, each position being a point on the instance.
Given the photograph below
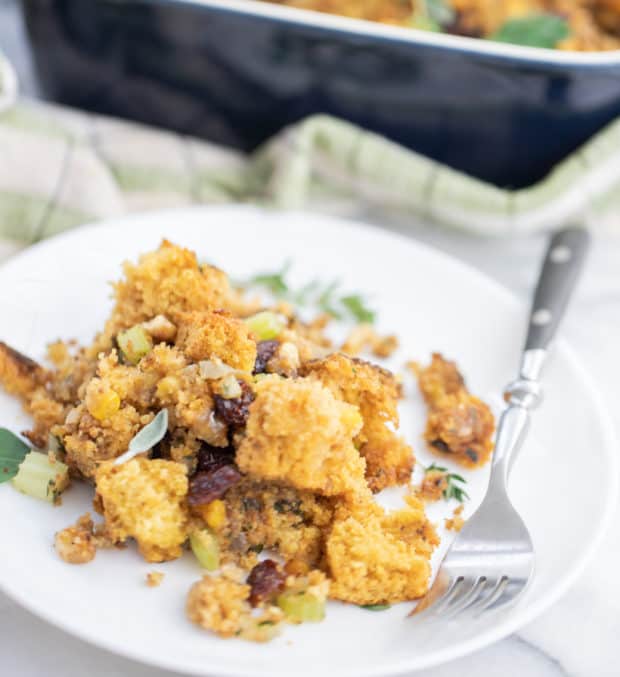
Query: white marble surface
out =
(578, 636)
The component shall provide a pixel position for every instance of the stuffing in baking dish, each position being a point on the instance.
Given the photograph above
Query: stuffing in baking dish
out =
(583, 25)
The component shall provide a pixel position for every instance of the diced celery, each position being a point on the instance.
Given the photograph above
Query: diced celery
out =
(134, 344)
(266, 325)
(301, 607)
(37, 476)
(205, 547)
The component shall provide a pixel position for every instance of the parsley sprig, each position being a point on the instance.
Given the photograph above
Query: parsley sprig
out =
(327, 297)
(452, 490)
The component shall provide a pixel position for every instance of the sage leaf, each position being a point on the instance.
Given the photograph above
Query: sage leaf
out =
(533, 30)
(13, 450)
(147, 438)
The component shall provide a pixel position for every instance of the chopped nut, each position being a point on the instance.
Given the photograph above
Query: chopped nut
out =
(75, 544)
(160, 328)
(364, 337)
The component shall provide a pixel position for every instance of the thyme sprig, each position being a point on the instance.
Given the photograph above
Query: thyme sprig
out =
(326, 297)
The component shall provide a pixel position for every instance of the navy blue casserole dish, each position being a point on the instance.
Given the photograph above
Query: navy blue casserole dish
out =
(237, 71)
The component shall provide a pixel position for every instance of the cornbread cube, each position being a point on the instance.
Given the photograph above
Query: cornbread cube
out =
(389, 459)
(299, 433)
(145, 499)
(210, 335)
(375, 558)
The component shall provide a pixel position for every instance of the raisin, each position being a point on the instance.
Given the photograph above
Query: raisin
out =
(441, 445)
(265, 350)
(235, 412)
(265, 581)
(471, 454)
(211, 458)
(205, 487)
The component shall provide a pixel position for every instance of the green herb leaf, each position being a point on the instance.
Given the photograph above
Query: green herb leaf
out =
(274, 282)
(13, 450)
(452, 490)
(375, 607)
(533, 30)
(325, 300)
(147, 438)
(355, 305)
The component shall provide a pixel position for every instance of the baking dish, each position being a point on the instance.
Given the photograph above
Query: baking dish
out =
(237, 71)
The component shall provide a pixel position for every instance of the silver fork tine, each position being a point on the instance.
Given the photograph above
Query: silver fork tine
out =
(450, 595)
(495, 593)
(468, 599)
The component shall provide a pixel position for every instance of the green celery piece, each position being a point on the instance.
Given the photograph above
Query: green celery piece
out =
(301, 607)
(40, 478)
(206, 549)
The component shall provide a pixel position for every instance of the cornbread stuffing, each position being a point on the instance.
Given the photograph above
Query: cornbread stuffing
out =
(583, 24)
(460, 426)
(457, 521)
(243, 436)
(154, 579)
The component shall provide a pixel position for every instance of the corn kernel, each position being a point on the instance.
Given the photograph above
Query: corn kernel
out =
(214, 514)
(296, 567)
(166, 387)
(102, 403)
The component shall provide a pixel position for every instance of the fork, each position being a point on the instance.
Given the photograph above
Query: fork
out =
(491, 561)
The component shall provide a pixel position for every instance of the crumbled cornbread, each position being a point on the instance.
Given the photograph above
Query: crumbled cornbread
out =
(220, 604)
(434, 483)
(209, 335)
(374, 558)
(364, 337)
(457, 521)
(154, 578)
(75, 544)
(145, 499)
(389, 459)
(459, 424)
(299, 433)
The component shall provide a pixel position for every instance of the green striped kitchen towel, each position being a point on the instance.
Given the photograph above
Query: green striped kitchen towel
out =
(61, 168)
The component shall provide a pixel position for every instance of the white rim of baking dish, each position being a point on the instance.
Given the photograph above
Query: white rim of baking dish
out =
(476, 46)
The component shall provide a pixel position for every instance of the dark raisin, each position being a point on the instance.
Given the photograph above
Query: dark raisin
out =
(473, 455)
(256, 548)
(441, 445)
(265, 350)
(265, 581)
(459, 27)
(205, 487)
(235, 412)
(211, 458)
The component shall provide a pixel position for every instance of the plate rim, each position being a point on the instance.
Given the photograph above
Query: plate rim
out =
(520, 616)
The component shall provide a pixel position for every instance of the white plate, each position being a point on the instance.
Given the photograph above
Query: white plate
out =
(58, 289)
